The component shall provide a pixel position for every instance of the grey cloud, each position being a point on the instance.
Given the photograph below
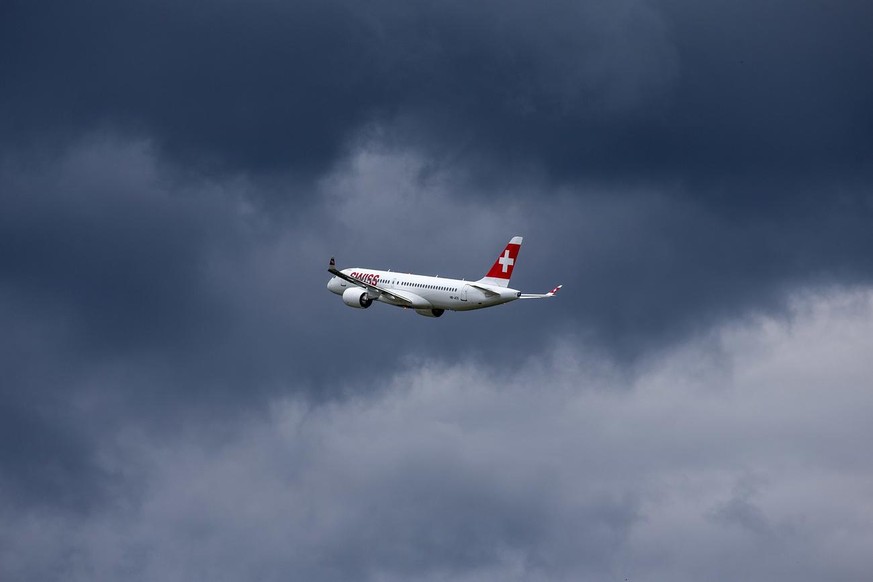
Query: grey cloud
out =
(740, 510)
(641, 266)
(561, 471)
(118, 282)
(174, 177)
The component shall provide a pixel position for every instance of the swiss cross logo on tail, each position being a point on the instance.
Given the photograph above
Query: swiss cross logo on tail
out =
(506, 261)
(502, 268)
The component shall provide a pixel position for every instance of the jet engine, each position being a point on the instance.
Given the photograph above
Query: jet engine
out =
(430, 312)
(357, 297)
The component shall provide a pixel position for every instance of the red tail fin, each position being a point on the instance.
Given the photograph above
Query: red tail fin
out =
(501, 270)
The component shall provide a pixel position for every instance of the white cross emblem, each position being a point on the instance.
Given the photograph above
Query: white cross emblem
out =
(505, 261)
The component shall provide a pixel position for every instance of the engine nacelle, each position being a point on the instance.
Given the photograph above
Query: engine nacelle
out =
(357, 297)
(430, 312)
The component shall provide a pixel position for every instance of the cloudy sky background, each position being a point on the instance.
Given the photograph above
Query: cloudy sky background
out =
(183, 399)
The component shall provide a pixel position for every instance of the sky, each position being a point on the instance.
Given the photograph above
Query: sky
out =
(183, 399)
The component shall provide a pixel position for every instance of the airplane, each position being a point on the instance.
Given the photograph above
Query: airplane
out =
(431, 296)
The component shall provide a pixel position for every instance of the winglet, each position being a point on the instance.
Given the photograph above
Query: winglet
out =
(554, 291)
(331, 266)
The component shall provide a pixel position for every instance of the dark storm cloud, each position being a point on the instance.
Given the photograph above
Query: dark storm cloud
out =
(256, 86)
(617, 91)
(269, 85)
(96, 268)
(130, 296)
(174, 176)
(748, 126)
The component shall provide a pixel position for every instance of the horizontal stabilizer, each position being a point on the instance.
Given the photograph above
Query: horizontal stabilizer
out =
(551, 293)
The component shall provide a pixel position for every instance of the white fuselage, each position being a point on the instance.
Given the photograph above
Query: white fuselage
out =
(427, 292)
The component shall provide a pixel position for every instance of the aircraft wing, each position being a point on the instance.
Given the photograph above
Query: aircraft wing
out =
(374, 290)
(540, 295)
